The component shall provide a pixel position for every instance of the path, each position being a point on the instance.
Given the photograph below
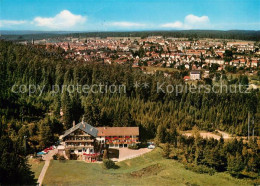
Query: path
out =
(204, 134)
(224, 134)
(47, 159)
(253, 86)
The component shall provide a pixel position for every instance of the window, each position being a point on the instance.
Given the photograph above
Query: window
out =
(79, 150)
(71, 151)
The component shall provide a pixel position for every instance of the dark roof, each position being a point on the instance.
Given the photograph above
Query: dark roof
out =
(103, 131)
(89, 129)
(83, 126)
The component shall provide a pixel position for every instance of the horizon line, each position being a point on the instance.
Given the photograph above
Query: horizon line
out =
(111, 31)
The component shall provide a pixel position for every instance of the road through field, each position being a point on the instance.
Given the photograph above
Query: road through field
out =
(47, 159)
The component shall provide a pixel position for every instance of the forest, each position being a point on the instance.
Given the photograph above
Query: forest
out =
(208, 156)
(191, 34)
(35, 122)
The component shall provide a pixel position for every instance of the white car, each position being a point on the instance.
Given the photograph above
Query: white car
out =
(151, 146)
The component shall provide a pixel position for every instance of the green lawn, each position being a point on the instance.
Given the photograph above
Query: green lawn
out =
(36, 167)
(149, 169)
(153, 69)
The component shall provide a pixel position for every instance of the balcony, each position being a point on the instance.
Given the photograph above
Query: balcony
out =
(79, 141)
(78, 146)
(121, 142)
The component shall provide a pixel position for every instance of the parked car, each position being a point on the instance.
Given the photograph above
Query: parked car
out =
(151, 146)
(50, 148)
(41, 153)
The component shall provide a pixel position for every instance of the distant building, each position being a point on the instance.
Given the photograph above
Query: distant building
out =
(216, 61)
(195, 74)
(186, 78)
(206, 74)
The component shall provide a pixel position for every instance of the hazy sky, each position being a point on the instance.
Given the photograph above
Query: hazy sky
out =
(108, 15)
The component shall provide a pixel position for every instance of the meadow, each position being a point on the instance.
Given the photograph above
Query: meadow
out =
(149, 169)
(36, 167)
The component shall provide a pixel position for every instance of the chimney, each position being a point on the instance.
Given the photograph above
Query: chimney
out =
(73, 123)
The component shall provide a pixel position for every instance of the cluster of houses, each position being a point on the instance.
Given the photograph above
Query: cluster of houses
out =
(156, 51)
(159, 51)
(88, 143)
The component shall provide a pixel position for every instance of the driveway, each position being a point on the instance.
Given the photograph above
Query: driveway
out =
(47, 159)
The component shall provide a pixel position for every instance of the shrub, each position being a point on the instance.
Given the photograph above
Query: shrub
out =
(109, 164)
(133, 146)
(105, 154)
(61, 158)
(174, 155)
(73, 157)
(166, 150)
(143, 145)
(201, 169)
(55, 156)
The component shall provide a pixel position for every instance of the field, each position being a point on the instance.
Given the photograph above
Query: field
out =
(149, 169)
(36, 167)
(153, 69)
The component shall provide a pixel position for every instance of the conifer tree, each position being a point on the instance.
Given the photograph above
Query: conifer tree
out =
(166, 150)
(66, 109)
(14, 169)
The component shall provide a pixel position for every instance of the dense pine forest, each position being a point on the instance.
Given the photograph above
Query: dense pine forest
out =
(35, 120)
(200, 155)
(194, 34)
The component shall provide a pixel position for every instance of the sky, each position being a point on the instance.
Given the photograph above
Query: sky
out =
(126, 15)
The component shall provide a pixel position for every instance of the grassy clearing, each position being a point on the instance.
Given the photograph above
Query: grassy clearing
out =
(153, 69)
(149, 169)
(36, 167)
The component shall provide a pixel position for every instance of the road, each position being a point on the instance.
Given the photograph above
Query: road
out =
(47, 159)
(253, 86)
(204, 134)
(224, 134)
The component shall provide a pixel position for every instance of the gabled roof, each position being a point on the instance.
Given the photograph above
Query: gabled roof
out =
(83, 126)
(89, 129)
(118, 131)
(186, 77)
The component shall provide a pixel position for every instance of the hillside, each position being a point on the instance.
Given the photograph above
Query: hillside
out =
(149, 169)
